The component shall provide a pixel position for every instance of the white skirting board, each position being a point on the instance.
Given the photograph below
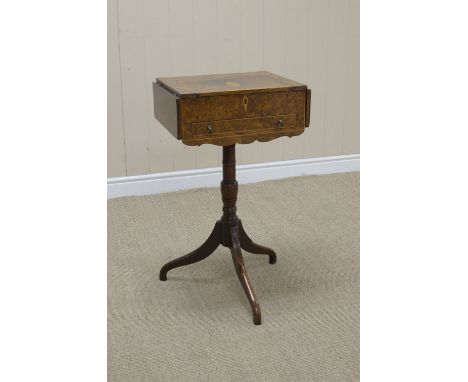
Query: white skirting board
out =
(211, 177)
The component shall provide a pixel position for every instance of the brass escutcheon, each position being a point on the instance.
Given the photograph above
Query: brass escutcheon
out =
(245, 102)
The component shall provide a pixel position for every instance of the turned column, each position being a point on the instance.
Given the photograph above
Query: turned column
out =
(229, 193)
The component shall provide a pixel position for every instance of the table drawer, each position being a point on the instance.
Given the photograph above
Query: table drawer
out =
(228, 127)
(240, 106)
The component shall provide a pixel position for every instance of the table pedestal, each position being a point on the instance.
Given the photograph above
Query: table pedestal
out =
(228, 232)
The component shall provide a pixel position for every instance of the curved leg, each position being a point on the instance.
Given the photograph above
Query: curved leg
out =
(248, 245)
(205, 250)
(243, 277)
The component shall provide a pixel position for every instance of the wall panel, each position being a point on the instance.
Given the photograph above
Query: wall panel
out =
(351, 118)
(317, 57)
(132, 69)
(116, 165)
(336, 76)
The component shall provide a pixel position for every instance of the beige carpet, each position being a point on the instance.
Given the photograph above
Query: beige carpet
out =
(197, 326)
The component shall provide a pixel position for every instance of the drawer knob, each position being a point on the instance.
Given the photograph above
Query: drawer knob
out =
(280, 123)
(209, 129)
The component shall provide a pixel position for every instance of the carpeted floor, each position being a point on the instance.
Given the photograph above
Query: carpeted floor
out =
(197, 325)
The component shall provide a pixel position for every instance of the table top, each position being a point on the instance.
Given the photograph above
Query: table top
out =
(232, 83)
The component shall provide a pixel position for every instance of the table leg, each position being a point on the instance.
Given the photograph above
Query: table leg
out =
(205, 250)
(243, 277)
(248, 245)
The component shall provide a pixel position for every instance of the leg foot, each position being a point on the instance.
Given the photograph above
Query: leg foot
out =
(205, 250)
(243, 277)
(248, 245)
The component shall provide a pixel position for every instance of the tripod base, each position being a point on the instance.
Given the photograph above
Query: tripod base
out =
(228, 232)
(230, 235)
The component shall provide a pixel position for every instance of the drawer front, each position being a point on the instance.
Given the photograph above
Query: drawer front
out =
(240, 106)
(228, 127)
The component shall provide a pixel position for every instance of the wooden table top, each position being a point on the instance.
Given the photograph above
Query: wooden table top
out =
(232, 83)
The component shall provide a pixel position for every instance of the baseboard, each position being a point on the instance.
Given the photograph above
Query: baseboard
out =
(210, 177)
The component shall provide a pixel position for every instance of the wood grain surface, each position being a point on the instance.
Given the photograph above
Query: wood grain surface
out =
(230, 83)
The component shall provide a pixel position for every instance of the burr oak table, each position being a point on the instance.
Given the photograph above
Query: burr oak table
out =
(223, 110)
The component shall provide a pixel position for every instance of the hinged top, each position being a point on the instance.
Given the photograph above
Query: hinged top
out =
(219, 84)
